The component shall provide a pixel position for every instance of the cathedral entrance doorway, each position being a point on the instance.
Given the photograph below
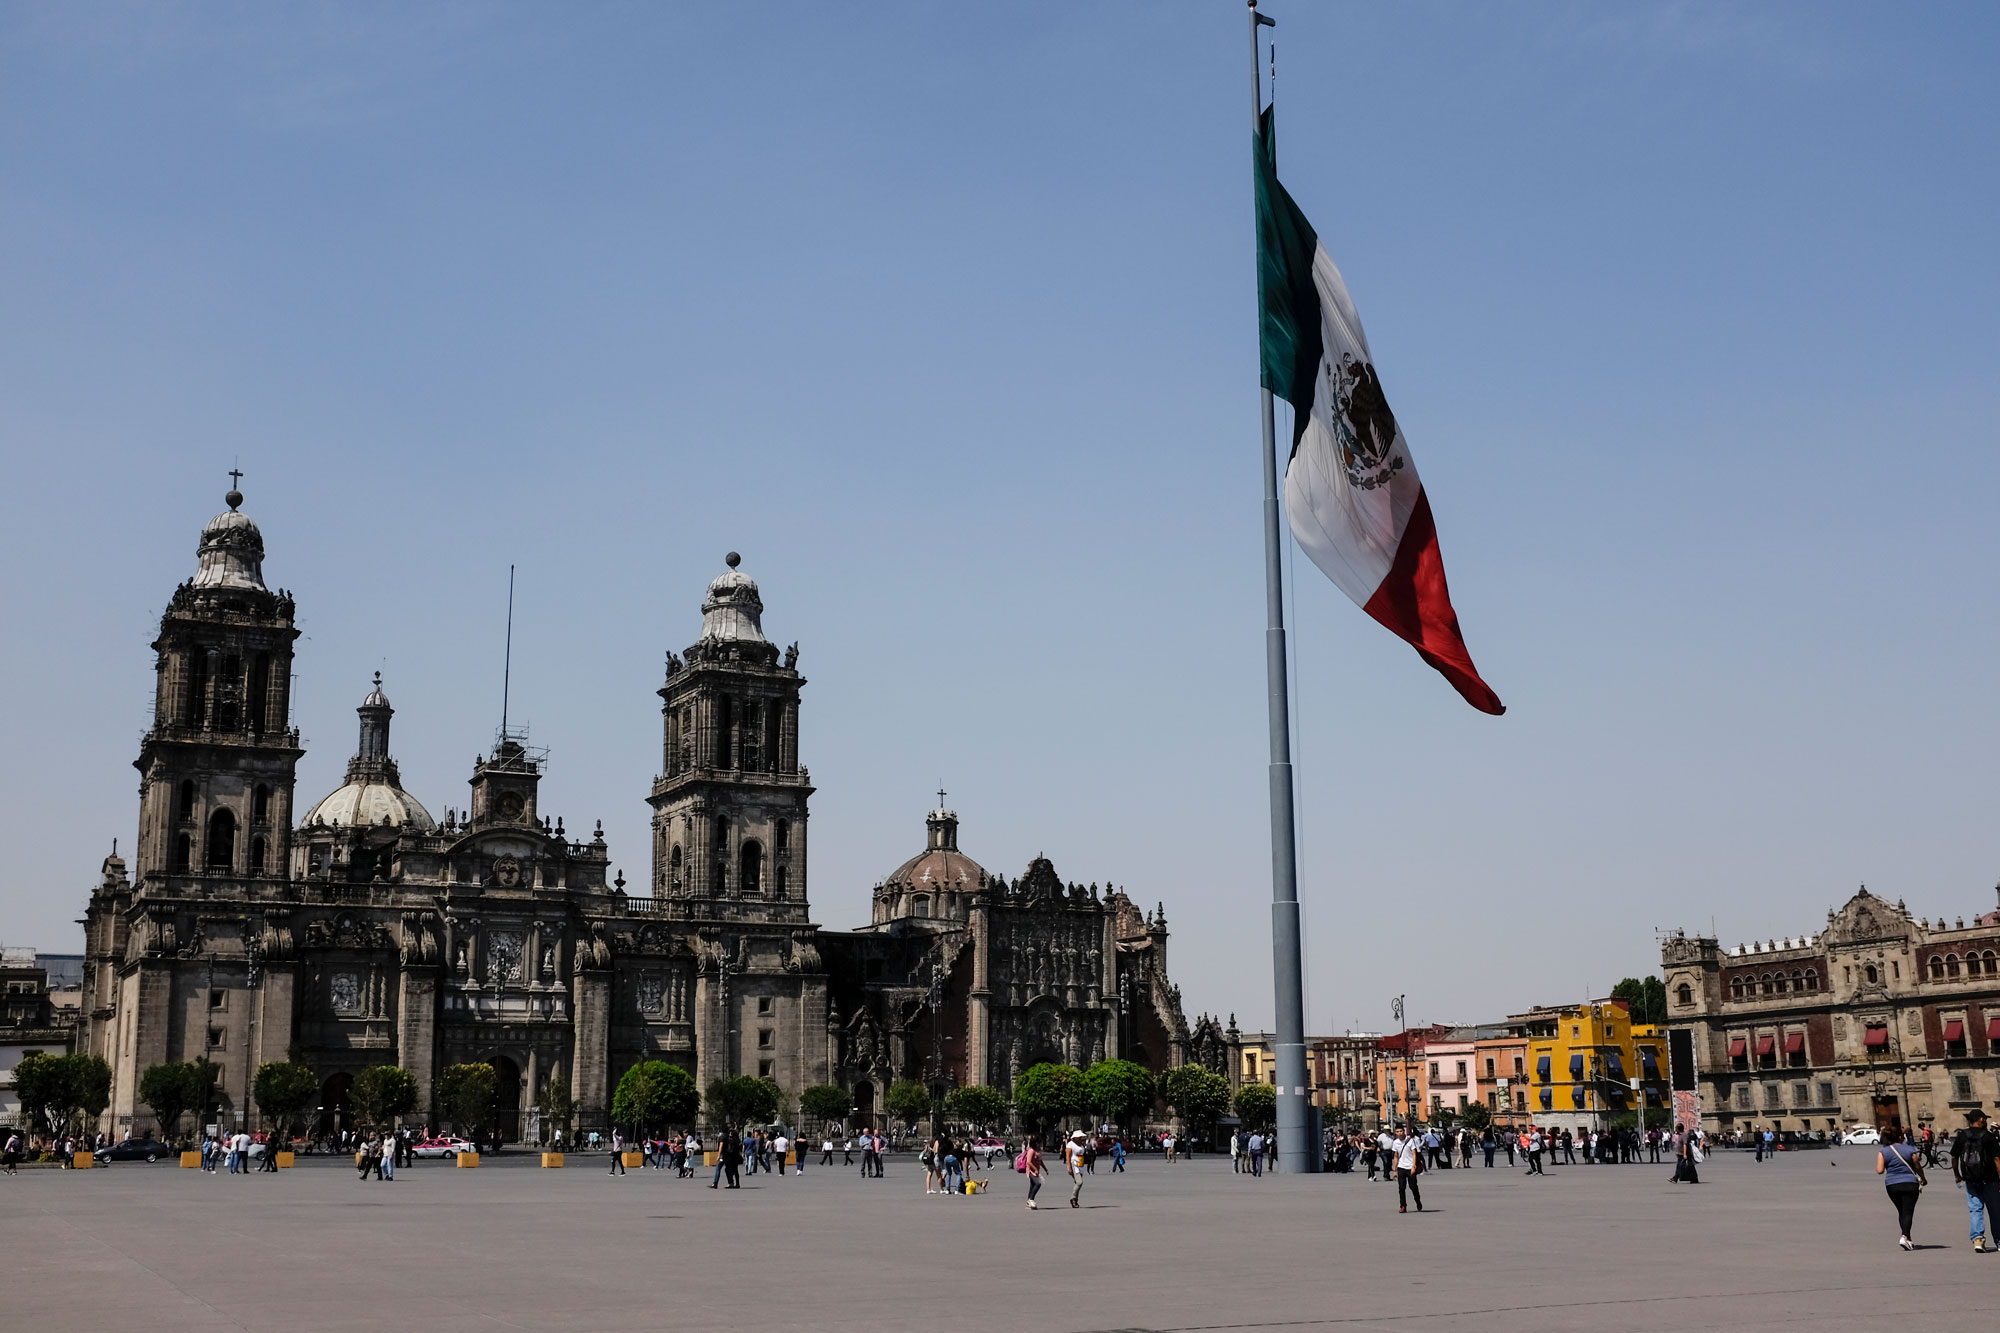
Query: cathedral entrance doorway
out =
(864, 1105)
(506, 1099)
(335, 1108)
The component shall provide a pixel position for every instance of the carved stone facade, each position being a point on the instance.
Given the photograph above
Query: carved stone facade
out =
(1882, 1018)
(369, 932)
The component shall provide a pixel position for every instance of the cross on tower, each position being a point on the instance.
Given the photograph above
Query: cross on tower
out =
(235, 477)
(940, 798)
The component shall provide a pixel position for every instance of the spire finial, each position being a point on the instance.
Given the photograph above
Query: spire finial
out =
(235, 496)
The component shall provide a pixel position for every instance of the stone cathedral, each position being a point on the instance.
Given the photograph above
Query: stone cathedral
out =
(363, 930)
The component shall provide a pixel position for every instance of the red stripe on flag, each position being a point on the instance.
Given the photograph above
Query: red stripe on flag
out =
(1415, 604)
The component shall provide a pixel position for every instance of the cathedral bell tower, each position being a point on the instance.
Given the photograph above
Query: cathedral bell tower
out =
(218, 764)
(729, 808)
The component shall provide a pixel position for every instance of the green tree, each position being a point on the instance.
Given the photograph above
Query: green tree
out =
(908, 1101)
(92, 1077)
(1045, 1093)
(285, 1092)
(1475, 1117)
(977, 1105)
(742, 1100)
(558, 1107)
(171, 1089)
(825, 1103)
(1199, 1096)
(654, 1094)
(1118, 1089)
(383, 1092)
(464, 1095)
(38, 1082)
(1646, 999)
(1256, 1104)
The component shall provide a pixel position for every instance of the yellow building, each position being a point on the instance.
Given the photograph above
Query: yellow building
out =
(1582, 1062)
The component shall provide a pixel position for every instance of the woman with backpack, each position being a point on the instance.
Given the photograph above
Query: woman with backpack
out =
(1902, 1172)
(1031, 1162)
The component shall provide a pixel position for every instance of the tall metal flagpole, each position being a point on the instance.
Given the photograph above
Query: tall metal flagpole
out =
(1288, 972)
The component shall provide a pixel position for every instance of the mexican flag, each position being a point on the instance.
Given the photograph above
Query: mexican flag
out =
(1351, 488)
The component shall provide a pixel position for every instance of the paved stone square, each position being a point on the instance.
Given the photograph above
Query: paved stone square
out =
(1807, 1240)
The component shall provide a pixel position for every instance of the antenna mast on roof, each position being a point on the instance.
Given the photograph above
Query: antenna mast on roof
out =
(507, 667)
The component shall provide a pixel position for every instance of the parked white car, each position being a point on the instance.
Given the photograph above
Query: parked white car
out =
(1862, 1134)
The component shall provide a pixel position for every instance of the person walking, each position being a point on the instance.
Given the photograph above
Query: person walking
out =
(1255, 1151)
(728, 1160)
(1902, 1172)
(1409, 1165)
(1117, 1155)
(10, 1156)
(617, 1153)
(1757, 1145)
(1973, 1150)
(1368, 1150)
(826, 1151)
(1690, 1154)
(1037, 1169)
(386, 1170)
(1535, 1145)
(1073, 1158)
(1488, 1143)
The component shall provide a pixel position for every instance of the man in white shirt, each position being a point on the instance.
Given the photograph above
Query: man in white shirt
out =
(239, 1153)
(1385, 1144)
(778, 1146)
(1073, 1159)
(1409, 1150)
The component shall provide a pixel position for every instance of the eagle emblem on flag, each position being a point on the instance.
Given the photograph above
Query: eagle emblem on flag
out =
(1363, 424)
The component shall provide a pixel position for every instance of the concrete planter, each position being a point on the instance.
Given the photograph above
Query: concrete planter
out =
(468, 1159)
(552, 1159)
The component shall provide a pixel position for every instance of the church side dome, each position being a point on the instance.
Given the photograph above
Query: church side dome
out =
(935, 884)
(373, 795)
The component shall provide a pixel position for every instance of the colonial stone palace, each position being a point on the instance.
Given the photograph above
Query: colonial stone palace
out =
(367, 931)
(1880, 1018)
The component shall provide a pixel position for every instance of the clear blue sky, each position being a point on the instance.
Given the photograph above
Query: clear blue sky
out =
(943, 316)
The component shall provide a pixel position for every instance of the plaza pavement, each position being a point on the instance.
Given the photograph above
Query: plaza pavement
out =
(1805, 1241)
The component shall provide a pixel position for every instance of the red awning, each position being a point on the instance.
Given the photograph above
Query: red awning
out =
(1878, 1036)
(1795, 1043)
(1765, 1045)
(1954, 1030)
(1736, 1046)
(1993, 1029)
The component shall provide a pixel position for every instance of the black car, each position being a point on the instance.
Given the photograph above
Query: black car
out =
(136, 1150)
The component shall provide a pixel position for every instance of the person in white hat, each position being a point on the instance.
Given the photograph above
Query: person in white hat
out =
(1073, 1158)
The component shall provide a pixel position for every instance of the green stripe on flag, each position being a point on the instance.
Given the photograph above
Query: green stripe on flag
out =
(1289, 325)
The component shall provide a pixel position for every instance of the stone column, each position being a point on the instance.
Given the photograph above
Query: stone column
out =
(416, 1030)
(591, 1073)
(979, 999)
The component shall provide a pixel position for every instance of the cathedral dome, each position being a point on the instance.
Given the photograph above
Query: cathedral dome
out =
(373, 795)
(733, 611)
(232, 550)
(940, 865)
(369, 805)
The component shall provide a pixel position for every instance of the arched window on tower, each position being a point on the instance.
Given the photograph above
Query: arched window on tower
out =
(197, 695)
(257, 700)
(260, 806)
(221, 840)
(674, 867)
(184, 808)
(752, 879)
(1873, 977)
(725, 722)
(228, 691)
(183, 853)
(257, 854)
(1684, 994)
(721, 850)
(783, 880)
(782, 842)
(773, 733)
